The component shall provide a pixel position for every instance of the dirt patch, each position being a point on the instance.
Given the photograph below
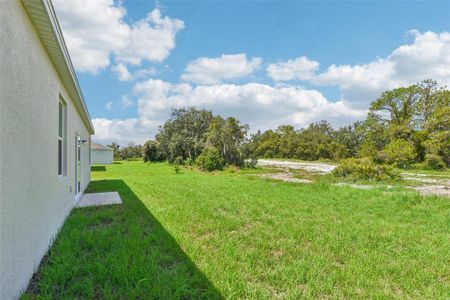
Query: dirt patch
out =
(311, 167)
(423, 178)
(438, 190)
(286, 177)
(33, 285)
(430, 184)
(360, 186)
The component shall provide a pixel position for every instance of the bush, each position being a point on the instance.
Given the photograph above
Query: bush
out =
(400, 152)
(250, 163)
(210, 160)
(189, 162)
(364, 168)
(434, 162)
(178, 161)
(152, 151)
(380, 157)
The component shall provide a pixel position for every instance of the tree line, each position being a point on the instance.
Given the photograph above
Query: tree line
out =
(404, 126)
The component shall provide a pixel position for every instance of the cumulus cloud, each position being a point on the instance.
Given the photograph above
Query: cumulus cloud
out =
(205, 70)
(95, 33)
(123, 74)
(151, 39)
(265, 106)
(124, 132)
(92, 30)
(261, 106)
(300, 68)
(428, 56)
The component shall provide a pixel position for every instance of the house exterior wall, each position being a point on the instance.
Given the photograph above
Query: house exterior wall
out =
(101, 156)
(34, 200)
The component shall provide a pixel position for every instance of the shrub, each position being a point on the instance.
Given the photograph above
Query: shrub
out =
(364, 168)
(400, 152)
(380, 157)
(152, 151)
(434, 162)
(189, 162)
(250, 163)
(178, 161)
(210, 160)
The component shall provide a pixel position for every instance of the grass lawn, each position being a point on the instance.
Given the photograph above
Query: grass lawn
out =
(229, 235)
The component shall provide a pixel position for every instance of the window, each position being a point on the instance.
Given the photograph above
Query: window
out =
(89, 145)
(61, 138)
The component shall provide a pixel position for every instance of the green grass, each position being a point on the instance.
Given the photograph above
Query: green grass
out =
(228, 235)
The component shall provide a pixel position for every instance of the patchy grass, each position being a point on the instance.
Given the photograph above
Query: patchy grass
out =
(430, 173)
(225, 235)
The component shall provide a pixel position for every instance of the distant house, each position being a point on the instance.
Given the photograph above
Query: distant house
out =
(101, 155)
(45, 132)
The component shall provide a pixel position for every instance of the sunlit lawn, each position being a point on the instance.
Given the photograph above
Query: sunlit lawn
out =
(229, 235)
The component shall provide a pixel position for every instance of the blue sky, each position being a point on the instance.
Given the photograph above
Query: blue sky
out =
(265, 62)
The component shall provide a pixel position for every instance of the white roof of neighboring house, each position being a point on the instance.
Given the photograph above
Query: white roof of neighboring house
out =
(96, 146)
(42, 15)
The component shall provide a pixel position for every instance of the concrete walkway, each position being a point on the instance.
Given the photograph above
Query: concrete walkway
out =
(96, 199)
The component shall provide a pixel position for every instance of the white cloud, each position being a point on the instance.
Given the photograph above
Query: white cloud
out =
(299, 68)
(109, 105)
(92, 30)
(151, 39)
(428, 56)
(262, 106)
(133, 130)
(205, 70)
(95, 31)
(123, 74)
(125, 101)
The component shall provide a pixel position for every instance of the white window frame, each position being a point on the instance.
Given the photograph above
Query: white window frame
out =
(62, 136)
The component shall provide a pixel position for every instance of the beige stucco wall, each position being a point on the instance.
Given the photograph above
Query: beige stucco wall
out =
(101, 156)
(34, 201)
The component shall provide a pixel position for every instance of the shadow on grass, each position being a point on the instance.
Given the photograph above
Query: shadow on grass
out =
(98, 168)
(118, 252)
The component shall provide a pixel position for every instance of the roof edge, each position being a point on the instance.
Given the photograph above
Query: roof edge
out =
(57, 38)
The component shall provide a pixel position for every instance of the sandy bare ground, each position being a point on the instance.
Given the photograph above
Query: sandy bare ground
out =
(287, 177)
(431, 186)
(311, 167)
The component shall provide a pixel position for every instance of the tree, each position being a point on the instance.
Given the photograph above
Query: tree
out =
(396, 106)
(287, 141)
(348, 139)
(266, 144)
(427, 102)
(228, 136)
(132, 151)
(184, 134)
(314, 141)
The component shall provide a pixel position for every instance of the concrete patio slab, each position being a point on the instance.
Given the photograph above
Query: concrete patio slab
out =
(97, 199)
